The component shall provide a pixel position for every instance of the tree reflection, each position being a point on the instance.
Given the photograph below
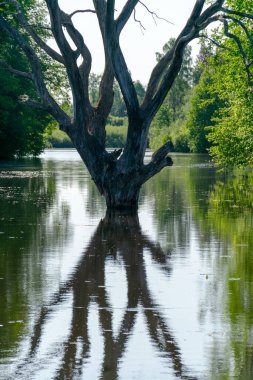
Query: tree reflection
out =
(118, 237)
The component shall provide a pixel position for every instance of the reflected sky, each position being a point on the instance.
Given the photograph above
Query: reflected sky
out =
(166, 294)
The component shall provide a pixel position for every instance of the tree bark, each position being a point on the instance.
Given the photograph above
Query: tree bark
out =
(121, 191)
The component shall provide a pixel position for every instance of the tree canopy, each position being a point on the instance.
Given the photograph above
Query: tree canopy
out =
(119, 174)
(220, 117)
(21, 127)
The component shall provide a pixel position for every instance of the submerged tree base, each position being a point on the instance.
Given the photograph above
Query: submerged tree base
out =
(122, 200)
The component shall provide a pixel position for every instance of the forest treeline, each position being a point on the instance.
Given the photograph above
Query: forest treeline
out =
(208, 109)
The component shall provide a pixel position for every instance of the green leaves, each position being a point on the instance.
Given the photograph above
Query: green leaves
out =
(21, 128)
(232, 133)
(222, 106)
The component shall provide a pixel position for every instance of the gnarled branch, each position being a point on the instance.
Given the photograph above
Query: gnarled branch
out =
(159, 161)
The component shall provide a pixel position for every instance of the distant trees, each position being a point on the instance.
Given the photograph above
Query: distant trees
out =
(168, 123)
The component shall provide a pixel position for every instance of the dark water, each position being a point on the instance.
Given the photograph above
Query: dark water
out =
(165, 295)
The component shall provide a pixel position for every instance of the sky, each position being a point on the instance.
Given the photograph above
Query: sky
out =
(139, 47)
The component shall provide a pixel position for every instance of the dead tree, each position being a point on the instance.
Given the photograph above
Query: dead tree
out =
(118, 175)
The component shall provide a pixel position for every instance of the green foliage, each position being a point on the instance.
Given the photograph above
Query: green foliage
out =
(221, 112)
(180, 137)
(203, 105)
(22, 128)
(232, 133)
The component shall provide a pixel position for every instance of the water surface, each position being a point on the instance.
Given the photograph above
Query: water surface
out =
(167, 294)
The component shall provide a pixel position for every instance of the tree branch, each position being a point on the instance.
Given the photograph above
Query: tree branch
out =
(161, 67)
(76, 81)
(154, 14)
(82, 49)
(16, 72)
(242, 14)
(242, 25)
(215, 42)
(139, 22)
(82, 11)
(121, 71)
(240, 47)
(159, 161)
(24, 99)
(210, 11)
(166, 70)
(100, 7)
(21, 17)
(37, 75)
(125, 14)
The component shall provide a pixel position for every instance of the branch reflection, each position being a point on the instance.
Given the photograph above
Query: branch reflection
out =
(117, 237)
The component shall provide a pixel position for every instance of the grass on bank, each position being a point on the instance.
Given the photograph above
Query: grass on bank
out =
(116, 132)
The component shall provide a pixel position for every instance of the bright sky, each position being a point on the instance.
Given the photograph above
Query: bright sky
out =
(138, 47)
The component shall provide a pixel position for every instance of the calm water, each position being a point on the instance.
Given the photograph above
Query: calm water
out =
(165, 295)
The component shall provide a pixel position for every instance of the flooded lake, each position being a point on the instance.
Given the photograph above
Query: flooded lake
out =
(167, 294)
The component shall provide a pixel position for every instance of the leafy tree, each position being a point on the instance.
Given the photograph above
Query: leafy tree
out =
(22, 128)
(118, 177)
(206, 50)
(232, 133)
(221, 106)
(203, 105)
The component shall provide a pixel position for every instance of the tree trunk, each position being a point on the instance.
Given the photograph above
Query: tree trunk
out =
(121, 189)
(122, 198)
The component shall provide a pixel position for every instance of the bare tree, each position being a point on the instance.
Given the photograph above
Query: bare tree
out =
(118, 175)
